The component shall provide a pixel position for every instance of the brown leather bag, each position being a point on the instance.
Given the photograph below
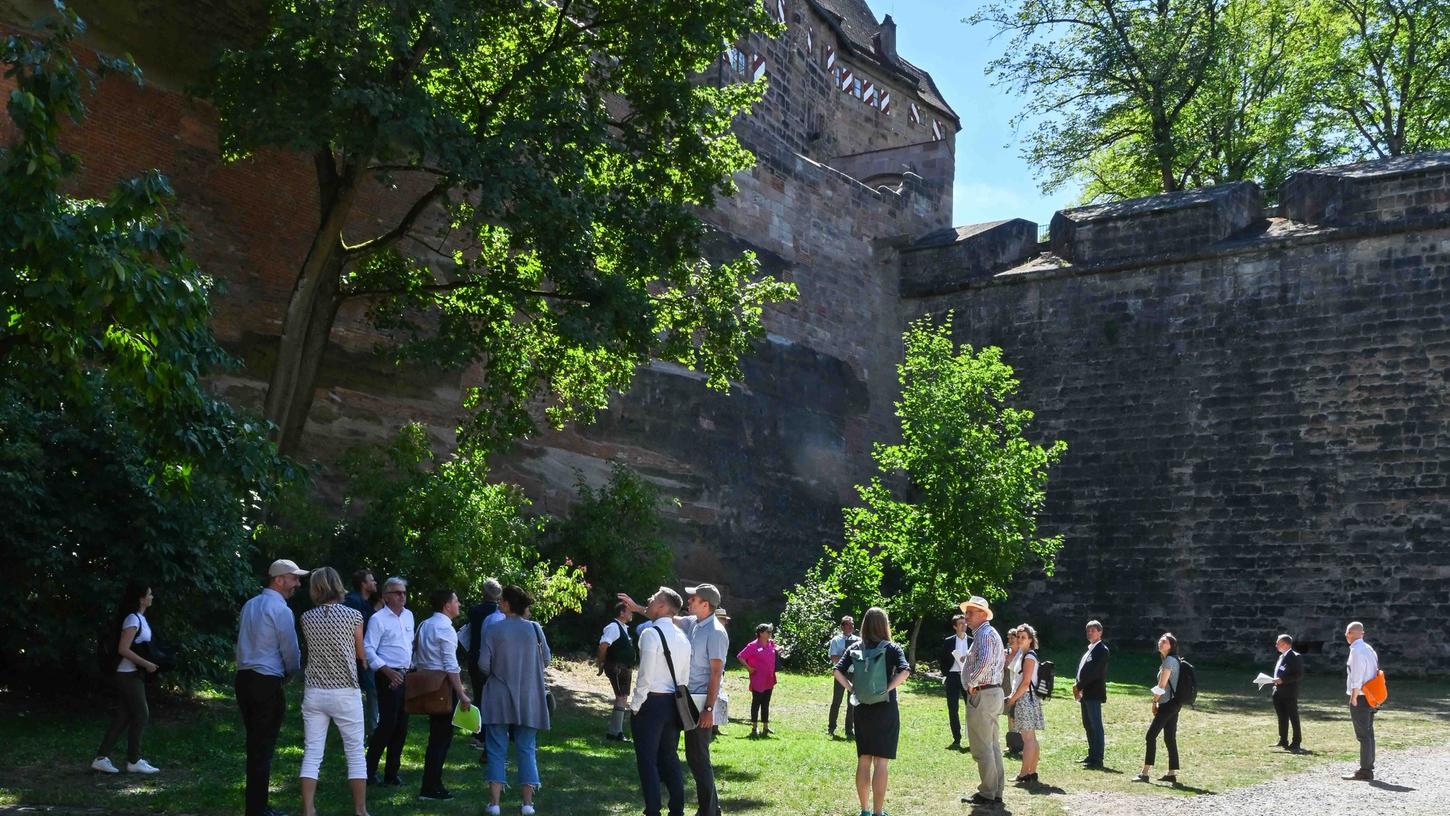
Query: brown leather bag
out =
(426, 691)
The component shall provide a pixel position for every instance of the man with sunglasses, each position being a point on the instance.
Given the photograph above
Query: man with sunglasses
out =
(388, 646)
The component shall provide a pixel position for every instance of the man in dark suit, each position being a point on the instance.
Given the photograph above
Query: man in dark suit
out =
(953, 651)
(1288, 673)
(1091, 691)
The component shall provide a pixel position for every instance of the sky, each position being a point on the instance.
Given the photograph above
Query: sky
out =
(993, 181)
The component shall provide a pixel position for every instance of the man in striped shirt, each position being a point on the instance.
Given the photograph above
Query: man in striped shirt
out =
(982, 678)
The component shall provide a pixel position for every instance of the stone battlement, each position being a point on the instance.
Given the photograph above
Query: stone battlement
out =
(1396, 194)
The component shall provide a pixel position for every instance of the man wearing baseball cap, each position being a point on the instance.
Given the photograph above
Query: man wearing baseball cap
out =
(267, 652)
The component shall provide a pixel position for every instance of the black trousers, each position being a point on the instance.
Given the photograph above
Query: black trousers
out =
(1287, 707)
(440, 737)
(760, 706)
(656, 731)
(838, 691)
(263, 704)
(1166, 723)
(953, 682)
(131, 715)
(392, 729)
(697, 756)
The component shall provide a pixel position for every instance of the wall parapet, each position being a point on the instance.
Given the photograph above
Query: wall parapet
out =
(1156, 225)
(1395, 190)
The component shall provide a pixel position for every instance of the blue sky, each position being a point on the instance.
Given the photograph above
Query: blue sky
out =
(993, 181)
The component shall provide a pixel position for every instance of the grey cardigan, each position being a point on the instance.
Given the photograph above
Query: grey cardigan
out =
(514, 653)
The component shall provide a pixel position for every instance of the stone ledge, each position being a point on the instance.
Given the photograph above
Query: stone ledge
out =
(945, 260)
(1403, 188)
(1156, 225)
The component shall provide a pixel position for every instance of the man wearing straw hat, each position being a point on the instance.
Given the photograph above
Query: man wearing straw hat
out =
(982, 679)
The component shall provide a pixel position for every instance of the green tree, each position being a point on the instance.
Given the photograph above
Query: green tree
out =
(1107, 80)
(953, 511)
(115, 462)
(1390, 85)
(544, 163)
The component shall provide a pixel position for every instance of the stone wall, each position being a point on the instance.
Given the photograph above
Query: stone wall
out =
(1258, 424)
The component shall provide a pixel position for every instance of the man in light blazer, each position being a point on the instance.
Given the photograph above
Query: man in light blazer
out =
(1288, 673)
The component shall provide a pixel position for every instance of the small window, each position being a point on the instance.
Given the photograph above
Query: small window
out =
(736, 59)
(856, 88)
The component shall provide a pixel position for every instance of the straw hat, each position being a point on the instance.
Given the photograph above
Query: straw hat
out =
(979, 603)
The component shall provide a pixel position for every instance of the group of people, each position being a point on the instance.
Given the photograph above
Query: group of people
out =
(364, 646)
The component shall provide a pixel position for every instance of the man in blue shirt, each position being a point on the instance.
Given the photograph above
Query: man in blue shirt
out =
(267, 652)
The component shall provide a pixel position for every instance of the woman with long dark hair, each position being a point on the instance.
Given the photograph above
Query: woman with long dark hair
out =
(1165, 712)
(132, 631)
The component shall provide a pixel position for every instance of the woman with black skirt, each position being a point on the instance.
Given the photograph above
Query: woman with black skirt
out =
(878, 724)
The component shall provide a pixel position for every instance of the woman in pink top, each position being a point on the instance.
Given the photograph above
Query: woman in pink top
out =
(759, 660)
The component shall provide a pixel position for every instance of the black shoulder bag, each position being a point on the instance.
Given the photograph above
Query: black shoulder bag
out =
(684, 704)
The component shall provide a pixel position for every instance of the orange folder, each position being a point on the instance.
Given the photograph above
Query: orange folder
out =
(1375, 691)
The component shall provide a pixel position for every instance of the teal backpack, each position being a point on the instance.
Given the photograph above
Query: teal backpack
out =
(870, 680)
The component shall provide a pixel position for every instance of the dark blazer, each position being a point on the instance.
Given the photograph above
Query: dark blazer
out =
(1093, 680)
(1291, 671)
(946, 658)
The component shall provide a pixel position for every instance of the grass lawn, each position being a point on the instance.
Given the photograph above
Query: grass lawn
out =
(1224, 741)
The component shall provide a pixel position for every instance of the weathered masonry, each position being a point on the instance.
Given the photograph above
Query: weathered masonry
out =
(1255, 403)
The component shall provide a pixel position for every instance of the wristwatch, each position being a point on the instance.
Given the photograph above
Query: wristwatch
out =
(706, 709)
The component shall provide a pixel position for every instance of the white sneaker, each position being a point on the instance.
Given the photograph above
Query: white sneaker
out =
(490, 810)
(141, 766)
(527, 810)
(104, 765)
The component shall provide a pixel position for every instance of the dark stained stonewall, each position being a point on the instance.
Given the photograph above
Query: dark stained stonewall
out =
(1399, 190)
(1167, 224)
(943, 260)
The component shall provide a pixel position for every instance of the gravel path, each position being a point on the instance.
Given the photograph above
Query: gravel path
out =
(1413, 782)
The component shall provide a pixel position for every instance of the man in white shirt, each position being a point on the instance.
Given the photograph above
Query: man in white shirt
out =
(1363, 666)
(616, 660)
(839, 645)
(388, 647)
(438, 651)
(655, 724)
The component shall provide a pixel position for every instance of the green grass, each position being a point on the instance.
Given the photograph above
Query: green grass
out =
(1224, 740)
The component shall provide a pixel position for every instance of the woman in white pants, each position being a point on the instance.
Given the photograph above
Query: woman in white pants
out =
(334, 645)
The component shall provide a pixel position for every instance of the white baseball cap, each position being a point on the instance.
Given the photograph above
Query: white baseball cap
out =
(284, 567)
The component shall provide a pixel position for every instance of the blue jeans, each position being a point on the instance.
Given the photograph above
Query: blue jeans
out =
(1092, 723)
(525, 753)
(656, 728)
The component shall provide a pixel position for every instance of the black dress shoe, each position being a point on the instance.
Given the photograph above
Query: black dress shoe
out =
(955, 746)
(1092, 766)
(1359, 776)
(979, 799)
(1295, 749)
(1280, 745)
(271, 811)
(392, 782)
(441, 795)
(374, 779)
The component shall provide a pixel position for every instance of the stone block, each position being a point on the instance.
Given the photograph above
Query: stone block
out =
(946, 259)
(1168, 224)
(1404, 188)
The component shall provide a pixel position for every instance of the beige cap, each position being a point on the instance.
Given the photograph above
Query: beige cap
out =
(284, 567)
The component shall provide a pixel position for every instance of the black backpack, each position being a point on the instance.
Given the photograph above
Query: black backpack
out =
(1046, 674)
(1186, 690)
(621, 651)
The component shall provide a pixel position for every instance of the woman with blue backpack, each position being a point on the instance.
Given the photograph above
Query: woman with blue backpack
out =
(871, 671)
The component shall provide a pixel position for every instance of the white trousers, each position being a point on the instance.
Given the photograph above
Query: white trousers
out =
(341, 706)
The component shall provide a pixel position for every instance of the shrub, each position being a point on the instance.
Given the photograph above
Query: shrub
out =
(808, 622)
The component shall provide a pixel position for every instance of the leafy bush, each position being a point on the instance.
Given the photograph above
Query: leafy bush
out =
(615, 532)
(436, 520)
(808, 622)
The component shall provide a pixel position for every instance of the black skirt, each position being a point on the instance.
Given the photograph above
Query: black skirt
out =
(878, 729)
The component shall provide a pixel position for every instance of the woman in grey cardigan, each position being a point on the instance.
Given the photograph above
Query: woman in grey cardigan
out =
(513, 654)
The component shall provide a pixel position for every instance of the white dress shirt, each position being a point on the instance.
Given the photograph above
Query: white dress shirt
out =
(654, 673)
(1086, 656)
(1363, 666)
(960, 647)
(438, 644)
(388, 640)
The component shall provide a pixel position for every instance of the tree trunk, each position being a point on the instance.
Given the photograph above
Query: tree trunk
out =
(911, 649)
(311, 310)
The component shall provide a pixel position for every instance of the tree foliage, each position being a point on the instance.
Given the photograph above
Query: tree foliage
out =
(115, 462)
(543, 163)
(953, 511)
(440, 522)
(615, 531)
(1136, 97)
(809, 621)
